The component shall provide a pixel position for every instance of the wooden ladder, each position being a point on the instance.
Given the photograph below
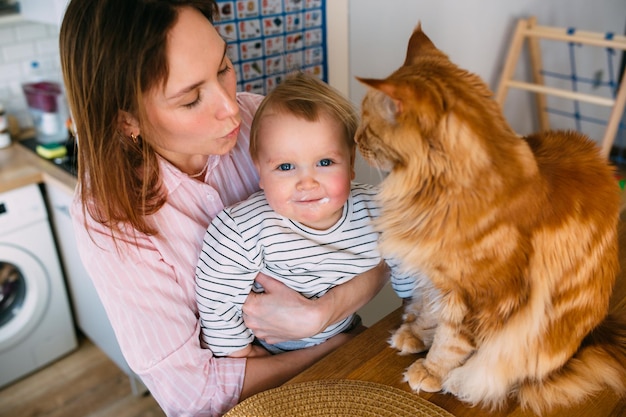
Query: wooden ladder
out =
(527, 28)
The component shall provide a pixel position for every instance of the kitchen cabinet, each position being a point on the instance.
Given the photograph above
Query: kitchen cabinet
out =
(44, 11)
(89, 312)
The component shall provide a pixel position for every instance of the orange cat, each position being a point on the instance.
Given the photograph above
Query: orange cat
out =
(517, 236)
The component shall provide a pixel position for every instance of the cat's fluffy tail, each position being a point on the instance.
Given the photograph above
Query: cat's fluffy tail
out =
(599, 363)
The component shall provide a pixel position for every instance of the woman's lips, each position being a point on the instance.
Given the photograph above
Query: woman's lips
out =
(233, 133)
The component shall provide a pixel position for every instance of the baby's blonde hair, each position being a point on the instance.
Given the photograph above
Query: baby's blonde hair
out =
(307, 97)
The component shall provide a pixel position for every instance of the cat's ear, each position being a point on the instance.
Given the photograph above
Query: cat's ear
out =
(418, 44)
(394, 102)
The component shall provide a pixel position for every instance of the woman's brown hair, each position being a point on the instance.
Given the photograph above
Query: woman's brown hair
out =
(112, 53)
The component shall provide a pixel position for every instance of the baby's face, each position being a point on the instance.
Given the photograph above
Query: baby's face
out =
(305, 168)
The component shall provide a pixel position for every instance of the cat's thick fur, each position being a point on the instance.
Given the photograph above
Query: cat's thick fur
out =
(517, 236)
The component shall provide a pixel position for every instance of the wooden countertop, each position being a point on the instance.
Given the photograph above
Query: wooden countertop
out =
(19, 167)
(368, 357)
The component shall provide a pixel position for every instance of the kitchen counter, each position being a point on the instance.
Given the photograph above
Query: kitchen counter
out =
(19, 167)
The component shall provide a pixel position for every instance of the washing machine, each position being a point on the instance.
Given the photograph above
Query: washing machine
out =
(36, 325)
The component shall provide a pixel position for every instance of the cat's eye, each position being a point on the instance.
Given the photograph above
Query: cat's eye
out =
(285, 166)
(325, 162)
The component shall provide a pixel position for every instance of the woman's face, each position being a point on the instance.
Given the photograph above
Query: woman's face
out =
(195, 112)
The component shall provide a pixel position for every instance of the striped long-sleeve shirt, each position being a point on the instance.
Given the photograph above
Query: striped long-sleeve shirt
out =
(250, 237)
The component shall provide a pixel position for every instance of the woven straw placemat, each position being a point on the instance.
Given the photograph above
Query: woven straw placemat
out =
(337, 398)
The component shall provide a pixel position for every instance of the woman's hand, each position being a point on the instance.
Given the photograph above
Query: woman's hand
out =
(280, 313)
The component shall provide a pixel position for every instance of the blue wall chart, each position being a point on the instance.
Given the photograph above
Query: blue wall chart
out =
(269, 38)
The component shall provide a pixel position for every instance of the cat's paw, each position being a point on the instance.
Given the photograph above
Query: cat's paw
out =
(406, 342)
(421, 379)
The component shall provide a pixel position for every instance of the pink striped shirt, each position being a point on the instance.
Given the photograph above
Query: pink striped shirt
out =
(148, 286)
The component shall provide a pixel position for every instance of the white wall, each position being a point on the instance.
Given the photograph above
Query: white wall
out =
(337, 45)
(474, 33)
(22, 42)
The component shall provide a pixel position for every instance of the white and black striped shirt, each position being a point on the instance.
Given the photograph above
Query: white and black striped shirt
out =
(250, 237)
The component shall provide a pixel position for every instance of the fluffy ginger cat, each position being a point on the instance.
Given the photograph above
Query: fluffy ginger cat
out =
(517, 236)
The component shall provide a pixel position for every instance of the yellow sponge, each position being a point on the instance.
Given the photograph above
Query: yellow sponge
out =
(51, 150)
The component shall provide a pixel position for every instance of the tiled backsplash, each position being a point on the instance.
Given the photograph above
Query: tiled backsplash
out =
(22, 43)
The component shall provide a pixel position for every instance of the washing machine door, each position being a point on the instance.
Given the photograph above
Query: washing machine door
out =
(24, 294)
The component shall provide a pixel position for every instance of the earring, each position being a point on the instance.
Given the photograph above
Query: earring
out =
(133, 138)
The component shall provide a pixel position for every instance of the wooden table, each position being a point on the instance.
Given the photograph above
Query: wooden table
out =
(368, 357)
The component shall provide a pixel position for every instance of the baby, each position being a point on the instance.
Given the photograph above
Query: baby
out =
(310, 226)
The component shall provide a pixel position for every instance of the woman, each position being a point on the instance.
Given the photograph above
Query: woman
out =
(163, 147)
